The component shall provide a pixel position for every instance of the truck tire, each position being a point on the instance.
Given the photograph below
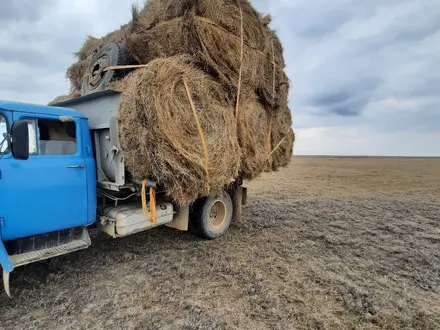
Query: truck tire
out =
(96, 79)
(211, 216)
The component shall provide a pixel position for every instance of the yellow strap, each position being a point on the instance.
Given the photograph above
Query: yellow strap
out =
(152, 215)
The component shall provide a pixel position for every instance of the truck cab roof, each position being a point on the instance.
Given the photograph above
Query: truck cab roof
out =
(39, 109)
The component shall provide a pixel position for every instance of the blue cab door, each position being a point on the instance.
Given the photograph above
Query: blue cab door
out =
(47, 192)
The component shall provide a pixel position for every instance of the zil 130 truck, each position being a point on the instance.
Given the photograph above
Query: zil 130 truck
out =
(62, 172)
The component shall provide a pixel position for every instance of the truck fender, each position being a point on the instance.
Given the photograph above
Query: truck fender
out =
(7, 266)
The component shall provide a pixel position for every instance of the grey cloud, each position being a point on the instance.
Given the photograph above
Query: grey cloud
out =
(420, 88)
(29, 82)
(349, 99)
(417, 119)
(23, 10)
(319, 18)
(403, 31)
(30, 57)
(318, 24)
(342, 104)
(331, 60)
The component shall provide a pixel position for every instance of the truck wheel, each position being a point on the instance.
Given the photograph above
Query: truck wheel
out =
(96, 79)
(211, 216)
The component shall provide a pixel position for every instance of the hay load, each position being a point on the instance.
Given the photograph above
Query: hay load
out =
(160, 135)
(210, 106)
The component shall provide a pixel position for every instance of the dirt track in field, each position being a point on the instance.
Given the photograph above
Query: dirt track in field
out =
(329, 243)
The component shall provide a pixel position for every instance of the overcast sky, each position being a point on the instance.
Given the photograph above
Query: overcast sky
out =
(365, 74)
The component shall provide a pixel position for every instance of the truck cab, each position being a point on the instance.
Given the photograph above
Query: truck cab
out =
(56, 186)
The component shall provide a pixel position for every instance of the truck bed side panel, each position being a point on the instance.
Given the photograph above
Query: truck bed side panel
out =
(91, 172)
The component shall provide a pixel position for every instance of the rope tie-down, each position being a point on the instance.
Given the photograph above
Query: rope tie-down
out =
(279, 144)
(271, 116)
(240, 75)
(202, 135)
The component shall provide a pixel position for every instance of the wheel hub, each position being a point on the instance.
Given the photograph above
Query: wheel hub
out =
(217, 214)
(97, 71)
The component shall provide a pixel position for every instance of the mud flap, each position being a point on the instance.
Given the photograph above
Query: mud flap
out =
(239, 198)
(181, 220)
(7, 266)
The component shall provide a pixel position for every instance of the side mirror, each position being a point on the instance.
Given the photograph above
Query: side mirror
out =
(20, 140)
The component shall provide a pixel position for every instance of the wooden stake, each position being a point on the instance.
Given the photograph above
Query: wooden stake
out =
(199, 127)
(237, 109)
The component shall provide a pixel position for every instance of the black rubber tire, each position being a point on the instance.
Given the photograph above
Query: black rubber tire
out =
(203, 224)
(114, 54)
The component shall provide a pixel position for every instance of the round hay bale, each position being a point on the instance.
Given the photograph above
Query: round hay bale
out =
(224, 13)
(117, 36)
(273, 99)
(252, 135)
(76, 72)
(284, 153)
(274, 75)
(220, 51)
(90, 45)
(282, 139)
(169, 38)
(211, 44)
(272, 42)
(160, 136)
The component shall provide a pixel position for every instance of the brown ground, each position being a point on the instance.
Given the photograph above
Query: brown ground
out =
(329, 243)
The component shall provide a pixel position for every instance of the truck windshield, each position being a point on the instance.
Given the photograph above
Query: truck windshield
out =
(4, 145)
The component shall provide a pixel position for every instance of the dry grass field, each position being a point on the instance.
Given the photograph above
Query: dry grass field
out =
(328, 243)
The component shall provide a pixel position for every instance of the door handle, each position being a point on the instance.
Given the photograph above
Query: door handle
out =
(76, 166)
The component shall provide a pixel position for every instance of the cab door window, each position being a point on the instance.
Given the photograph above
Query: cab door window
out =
(49, 137)
(57, 137)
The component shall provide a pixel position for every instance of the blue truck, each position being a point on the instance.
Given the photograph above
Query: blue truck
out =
(62, 172)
